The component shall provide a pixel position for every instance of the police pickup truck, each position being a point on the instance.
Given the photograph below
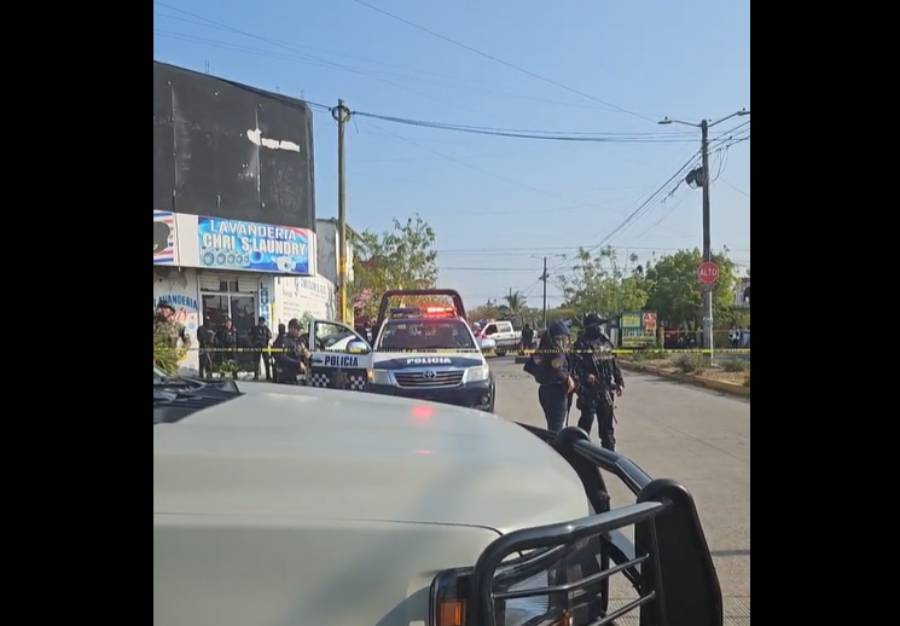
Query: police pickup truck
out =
(279, 504)
(340, 357)
(430, 353)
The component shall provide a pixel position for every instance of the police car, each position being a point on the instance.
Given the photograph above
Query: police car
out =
(430, 353)
(340, 357)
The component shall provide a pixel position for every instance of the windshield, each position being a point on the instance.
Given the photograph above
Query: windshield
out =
(426, 335)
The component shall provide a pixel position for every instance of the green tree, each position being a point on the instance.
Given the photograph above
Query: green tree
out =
(599, 285)
(486, 311)
(677, 296)
(404, 258)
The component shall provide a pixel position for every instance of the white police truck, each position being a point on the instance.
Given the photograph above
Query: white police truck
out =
(281, 504)
(340, 357)
(428, 352)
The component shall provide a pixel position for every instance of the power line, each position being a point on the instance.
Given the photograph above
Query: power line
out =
(634, 213)
(533, 249)
(511, 181)
(304, 59)
(468, 165)
(454, 83)
(735, 188)
(723, 150)
(544, 135)
(665, 215)
(646, 202)
(456, 126)
(724, 136)
(492, 175)
(502, 62)
(310, 59)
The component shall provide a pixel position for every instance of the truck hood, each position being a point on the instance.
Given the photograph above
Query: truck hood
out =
(321, 454)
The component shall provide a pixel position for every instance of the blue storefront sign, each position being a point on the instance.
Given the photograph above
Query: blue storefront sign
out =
(251, 246)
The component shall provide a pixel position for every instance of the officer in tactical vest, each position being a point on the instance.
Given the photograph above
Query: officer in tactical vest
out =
(260, 335)
(599, 377)
(166, 329)
(551, 368)
(206, 337)
(291, 361)
(527, 337)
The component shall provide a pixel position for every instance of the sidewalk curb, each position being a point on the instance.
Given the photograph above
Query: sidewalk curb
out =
(717, 385)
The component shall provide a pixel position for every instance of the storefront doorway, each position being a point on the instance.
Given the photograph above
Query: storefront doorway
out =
(226, 298)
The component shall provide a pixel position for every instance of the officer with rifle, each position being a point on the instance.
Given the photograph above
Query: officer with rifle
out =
(599, 377)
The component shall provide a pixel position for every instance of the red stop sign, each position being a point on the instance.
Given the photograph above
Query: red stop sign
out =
(708, 272)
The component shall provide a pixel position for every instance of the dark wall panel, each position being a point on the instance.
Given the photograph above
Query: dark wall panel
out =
(228, 150)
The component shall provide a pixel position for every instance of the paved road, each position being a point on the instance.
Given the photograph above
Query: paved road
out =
(697, 436)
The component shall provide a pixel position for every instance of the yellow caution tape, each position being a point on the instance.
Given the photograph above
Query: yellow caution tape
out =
(659, 351)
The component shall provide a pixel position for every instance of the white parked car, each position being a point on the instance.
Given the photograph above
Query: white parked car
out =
(277, 505)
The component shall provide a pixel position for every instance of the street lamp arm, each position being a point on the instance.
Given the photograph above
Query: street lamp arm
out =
(728, 117)
(670, 121)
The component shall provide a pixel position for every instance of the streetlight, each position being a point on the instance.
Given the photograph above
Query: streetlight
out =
(704, 127)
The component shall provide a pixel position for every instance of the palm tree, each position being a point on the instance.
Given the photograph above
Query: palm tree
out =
(516, 302)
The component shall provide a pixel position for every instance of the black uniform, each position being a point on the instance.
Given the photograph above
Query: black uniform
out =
(206, 337)
(527, 337)
(551, 368)
(277, 346)
(291, 361)
(260, 337)
(593, 355)
(228, 342)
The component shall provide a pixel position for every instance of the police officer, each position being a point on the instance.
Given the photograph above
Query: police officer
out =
(290, 362)
(277, 347)
(551, 368)
(599, 376)
(166, 329)
(527, 337)
(227, 339)
(260, 335)
(206, 337)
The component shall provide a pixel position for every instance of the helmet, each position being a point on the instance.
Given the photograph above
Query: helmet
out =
(592, 319)
(558, 329)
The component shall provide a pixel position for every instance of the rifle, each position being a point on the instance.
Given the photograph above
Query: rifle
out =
(602, 380)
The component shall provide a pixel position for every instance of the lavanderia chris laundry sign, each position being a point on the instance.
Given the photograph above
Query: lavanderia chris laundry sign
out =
(251, 246)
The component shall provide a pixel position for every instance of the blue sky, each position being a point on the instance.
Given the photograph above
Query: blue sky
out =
(498, 202)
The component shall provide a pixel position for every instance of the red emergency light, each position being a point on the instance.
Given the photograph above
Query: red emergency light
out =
(440, 311)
